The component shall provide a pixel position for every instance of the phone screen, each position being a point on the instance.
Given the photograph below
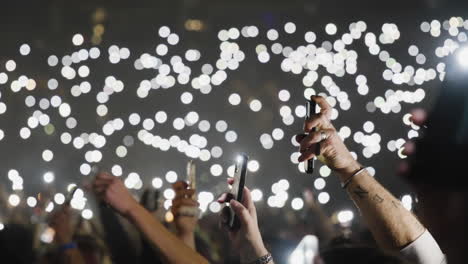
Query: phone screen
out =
(237, 189)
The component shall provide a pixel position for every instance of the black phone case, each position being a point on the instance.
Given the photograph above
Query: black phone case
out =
(310, 164)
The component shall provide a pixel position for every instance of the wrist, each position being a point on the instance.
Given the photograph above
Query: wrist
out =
(253, 252)
(186, 235)
(133, 211)
(348, 171)
(63, 240)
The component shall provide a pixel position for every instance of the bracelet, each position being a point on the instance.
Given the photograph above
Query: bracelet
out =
(348, 181)
(263, 260)
(67, 246)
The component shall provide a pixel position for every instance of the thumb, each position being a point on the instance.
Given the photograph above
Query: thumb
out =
(240, 211)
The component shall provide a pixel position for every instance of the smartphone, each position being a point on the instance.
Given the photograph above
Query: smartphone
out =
(70, 195)
(191, 175)
(309, 165)
(237, 189)
(150, 200)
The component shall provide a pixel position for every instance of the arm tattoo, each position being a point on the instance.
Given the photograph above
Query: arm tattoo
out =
(396, 204)
(361, 193)
(377, 199)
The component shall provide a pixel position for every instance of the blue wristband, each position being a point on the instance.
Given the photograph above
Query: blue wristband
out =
(67, 246)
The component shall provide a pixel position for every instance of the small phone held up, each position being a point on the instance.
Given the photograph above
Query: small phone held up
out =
(309, 165)
(237, 189)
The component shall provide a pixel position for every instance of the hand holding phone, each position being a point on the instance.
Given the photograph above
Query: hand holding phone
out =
(309, 165)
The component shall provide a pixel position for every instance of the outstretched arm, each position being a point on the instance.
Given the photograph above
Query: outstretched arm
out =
(392, 226)
(113, 192)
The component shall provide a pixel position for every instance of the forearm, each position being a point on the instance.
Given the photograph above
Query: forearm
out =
(188, 239)
(72, 256)
(167, 243)
(392, 226)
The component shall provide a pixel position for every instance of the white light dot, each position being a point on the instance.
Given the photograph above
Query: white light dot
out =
(319, 183)
(272, 34)
(10, 65)
(121, 151)
(169, 194)
(48, 177)
(47, 155)
(231, 136)
(65, 110)
(234, 99)
(77, 39)
(164, 31)
(255, 105)
(297, 203)
(257, 195)
(59, 198)
(3, 78)
(278, 134)
(345, 216)
(368, 126)
(253, 166)
(330, 29)
(216, 152)
(221, 126)
(25, 133)
(14, 200)
(25, 49)
(31, 201)
(160, 117)
(290, 27)
(215, 207)
(310, 37)
(323, 197)
(284, 95)
(216, 170)
(87, 214)
(186, 98)
(407, 202)
(171, 176)
(157, 183)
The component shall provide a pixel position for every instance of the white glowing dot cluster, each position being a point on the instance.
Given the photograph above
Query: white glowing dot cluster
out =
(318, 63)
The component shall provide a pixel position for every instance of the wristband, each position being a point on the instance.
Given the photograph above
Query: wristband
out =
(263, 260)
(348, 181)
(67, 246)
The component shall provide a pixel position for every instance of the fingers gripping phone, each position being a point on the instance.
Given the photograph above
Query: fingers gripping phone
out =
(309, 165)
(237, 189)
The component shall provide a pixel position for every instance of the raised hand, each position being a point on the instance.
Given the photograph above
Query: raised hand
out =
(112, 191)
(61, 222)
(185, 210)
(247, 240)
(333, 151)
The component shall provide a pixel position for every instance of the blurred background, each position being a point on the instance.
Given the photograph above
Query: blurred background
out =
(140, 89)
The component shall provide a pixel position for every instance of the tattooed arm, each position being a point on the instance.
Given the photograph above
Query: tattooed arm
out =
(392, 226)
